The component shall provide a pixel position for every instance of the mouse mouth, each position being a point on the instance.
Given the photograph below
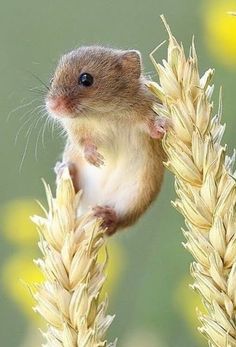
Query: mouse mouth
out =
(62, 106)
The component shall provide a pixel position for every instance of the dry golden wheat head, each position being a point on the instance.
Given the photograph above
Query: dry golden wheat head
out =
(205, 185)
(69, 298)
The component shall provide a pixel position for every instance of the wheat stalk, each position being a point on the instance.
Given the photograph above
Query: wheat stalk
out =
(69, 298)
(204, 183)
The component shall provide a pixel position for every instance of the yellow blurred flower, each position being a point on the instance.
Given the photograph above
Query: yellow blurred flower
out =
(188, 302)
(221, 29)
(18, 273)
(16, 222)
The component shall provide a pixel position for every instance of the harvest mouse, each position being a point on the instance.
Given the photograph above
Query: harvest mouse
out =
(113, 150)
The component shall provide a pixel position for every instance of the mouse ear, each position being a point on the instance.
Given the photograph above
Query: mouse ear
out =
(131, 62)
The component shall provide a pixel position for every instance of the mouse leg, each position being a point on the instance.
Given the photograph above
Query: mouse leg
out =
(109, 217)
(60, 166)
(91, 153)
(157, 126)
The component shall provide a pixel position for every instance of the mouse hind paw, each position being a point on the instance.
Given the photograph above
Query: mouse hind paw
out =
(108, 216)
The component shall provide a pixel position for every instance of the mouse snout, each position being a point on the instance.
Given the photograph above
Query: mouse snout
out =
(60, 105)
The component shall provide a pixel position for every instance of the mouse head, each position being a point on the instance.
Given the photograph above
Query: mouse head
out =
(94, 80)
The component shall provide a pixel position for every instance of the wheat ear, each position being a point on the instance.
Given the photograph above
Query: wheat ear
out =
(69, 299)
(204, 183)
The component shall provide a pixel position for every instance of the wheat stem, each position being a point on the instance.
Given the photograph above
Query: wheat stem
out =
(69, 299)
(205, 186)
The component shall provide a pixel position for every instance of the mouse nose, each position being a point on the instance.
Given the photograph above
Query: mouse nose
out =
(57, 104)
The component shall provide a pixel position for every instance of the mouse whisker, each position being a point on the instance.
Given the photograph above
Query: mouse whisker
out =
(33, 122)
(37, 142)
(54, 125)
(41, 134)
(20, 107)
(41, 81)
(28, 134)
(36, 121)
(38, 91)
(46, 123)
(30, 112)
(21, 129)
(61, 131)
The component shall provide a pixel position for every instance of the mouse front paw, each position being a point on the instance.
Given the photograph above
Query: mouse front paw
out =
(92, 155)
(158, 126)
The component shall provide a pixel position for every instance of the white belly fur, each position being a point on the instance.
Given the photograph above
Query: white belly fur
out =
(117, 182)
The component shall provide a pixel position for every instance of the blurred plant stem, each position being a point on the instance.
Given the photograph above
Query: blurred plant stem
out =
(205, 185)
(69, 298)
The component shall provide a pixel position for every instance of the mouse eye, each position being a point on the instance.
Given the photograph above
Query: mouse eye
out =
(86, 79)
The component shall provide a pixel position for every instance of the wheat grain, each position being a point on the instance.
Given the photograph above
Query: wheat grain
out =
(205, 185)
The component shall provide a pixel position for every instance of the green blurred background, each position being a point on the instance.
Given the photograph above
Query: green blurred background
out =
(148, 272)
